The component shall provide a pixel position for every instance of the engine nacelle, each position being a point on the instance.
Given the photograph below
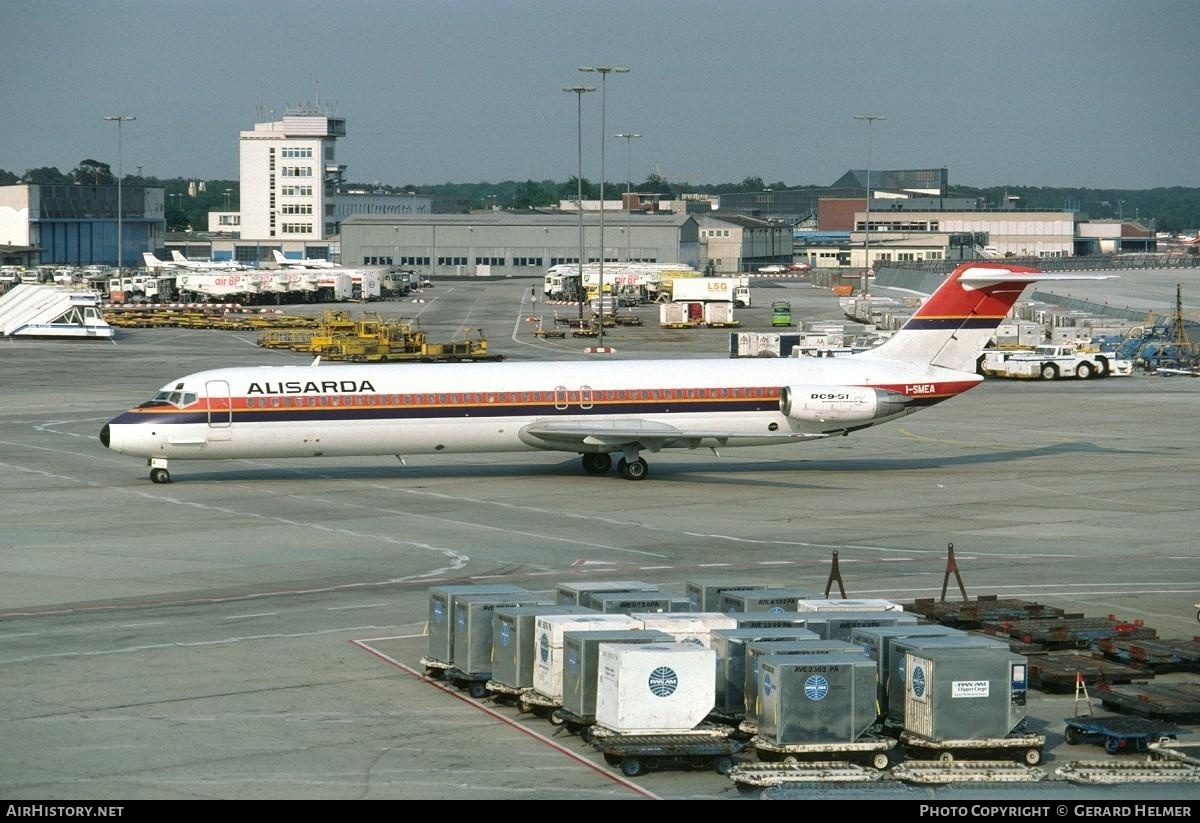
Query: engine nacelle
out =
(839, 404)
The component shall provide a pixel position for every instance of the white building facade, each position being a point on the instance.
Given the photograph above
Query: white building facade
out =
(289, 176)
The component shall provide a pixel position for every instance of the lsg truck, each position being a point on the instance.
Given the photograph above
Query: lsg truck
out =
(734, 290)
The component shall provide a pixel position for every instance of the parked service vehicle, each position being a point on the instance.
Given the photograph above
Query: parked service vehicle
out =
(733, 290)
(1051, 361)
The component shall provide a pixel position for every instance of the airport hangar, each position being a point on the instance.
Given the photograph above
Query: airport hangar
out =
(512, 243)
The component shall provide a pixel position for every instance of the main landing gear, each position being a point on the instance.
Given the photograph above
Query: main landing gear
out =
(629, 468)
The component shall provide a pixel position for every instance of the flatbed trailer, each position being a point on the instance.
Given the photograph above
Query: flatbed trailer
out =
(1120, 733)
(1027, 747)
(636, 754)
(869, 750)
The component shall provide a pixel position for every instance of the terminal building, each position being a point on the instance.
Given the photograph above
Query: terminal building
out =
(293, 199)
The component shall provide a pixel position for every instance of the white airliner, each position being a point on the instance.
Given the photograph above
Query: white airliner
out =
(595, 409)
(178, 258)
(154, 264)
(302, 262)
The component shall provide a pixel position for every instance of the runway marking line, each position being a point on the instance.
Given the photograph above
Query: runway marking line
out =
(520, 727)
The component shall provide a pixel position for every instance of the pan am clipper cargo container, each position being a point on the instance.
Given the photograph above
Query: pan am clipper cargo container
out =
(654, 688)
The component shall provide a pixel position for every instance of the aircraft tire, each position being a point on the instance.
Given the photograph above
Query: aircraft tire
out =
(633, 469)
(160, 476)
(597, 463)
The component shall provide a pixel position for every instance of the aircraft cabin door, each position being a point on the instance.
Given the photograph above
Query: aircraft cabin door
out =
(220, 409)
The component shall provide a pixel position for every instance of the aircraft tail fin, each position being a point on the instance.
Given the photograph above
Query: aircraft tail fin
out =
(177, 256)
(151, 261)
(960, 317)
(278, 255)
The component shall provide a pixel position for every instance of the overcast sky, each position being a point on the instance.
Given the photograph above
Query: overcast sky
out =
(1079, 93)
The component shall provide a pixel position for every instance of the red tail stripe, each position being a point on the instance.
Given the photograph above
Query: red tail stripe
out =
(953, 300)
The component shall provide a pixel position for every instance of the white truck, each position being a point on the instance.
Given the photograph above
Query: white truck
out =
(1051, 361)
(735, 290)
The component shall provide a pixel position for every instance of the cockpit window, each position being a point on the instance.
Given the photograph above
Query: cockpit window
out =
(178, 399)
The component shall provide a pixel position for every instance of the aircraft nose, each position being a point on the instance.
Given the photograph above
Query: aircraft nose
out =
(104, 435)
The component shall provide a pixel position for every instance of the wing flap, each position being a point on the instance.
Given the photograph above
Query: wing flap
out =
(651, 435)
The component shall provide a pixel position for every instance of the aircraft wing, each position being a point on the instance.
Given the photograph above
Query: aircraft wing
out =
(645, 434)
(1184, 372)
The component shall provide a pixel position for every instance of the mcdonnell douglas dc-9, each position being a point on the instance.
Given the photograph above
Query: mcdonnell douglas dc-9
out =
(594, 409)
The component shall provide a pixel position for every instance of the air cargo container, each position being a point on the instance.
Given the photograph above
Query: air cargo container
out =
(820, 698)
(769, 620)
(827, 605)
(705, 593)
(576, 594)
(763, 600)
(581, 656)
(513, 643)
(687, 627)
(654, 688)
(626, 602)
(440, 625)
(730, 647)
(837, 625)
(877, 641)
(472, 643)
(964, 693)
(896, 674)
(548, 663)
(759, 649)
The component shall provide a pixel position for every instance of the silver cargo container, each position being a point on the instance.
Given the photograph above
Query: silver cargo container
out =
(838, 625)
(964, 693)
(820, 698)
(763, 600)
(576, 594)
(758, 649)
(581, 655)
(513, 642)
(730, 647)
(629, 602)
(864, 605)
(876, 642)
(473, 616)
(441, 613)
(705, 594)
(769, 620)
(900, 647)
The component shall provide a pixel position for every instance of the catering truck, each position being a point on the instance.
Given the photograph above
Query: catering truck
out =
(735, 290)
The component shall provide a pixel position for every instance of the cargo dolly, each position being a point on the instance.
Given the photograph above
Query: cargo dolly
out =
(1119, 734)
(1028, 747)
(536, 703)
(474, 685)
(636, 754)
(868, 750)
(751, 777)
